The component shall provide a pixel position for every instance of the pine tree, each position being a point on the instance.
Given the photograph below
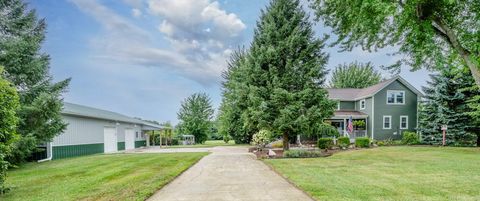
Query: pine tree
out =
(234, 104)
(21, 36)
(445, 103)
(286, 69)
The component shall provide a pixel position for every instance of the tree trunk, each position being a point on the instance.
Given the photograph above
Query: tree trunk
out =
(286, 142)
(478, 140)
(447, 33)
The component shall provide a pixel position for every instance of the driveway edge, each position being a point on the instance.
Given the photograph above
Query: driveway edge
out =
(286, 179)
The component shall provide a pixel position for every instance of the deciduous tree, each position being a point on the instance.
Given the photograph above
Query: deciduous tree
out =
(428, 32)
(354, 75)
(195, 116)
(9, 104)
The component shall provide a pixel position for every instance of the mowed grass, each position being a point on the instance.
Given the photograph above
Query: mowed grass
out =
(388, 173)
(98, 177)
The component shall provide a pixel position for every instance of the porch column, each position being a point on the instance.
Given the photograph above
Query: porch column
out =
(366, 126)
(344, 127)
(148, 138)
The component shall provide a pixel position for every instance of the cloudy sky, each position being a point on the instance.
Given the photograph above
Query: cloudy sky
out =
(143, 57)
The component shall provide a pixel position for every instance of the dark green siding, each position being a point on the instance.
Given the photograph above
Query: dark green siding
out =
(140, 143)
(382, 108)
(76, 150)
(121, 146)
(347, 105)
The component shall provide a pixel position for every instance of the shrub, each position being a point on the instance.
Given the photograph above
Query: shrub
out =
(226, 138)
(300, 153)
(344, 140)
(261, 138)
(277, 144)
(175, 141)
(325, 143)
(325, 130)
(363, 142)
(410, 138)
(380, 143)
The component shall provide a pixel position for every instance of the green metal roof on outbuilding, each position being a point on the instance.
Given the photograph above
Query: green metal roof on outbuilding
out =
(85, 111)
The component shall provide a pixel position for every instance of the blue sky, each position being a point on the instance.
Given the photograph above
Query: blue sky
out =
(143, 57)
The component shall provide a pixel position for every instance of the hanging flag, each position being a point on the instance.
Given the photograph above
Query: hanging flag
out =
(350, 125)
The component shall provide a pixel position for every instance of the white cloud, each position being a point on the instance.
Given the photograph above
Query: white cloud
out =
(136, 13)
(194, 53)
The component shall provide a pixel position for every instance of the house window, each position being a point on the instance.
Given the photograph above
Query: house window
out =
(403, 122)
(362, 104)
(395, 97)
(136, 134)
(338, 106)
(387, 122)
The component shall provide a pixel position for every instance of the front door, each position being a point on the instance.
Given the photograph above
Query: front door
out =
(109, 139)
(129, 139)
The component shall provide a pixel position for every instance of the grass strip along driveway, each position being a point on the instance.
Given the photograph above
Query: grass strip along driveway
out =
(388, 173)
(98, 177)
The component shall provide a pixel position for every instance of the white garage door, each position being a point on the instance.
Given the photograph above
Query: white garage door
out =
(109, 139)
(129, 139)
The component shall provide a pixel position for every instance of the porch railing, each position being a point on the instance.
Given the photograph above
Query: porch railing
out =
(355, 134)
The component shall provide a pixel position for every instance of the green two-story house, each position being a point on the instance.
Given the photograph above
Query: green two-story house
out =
(382, 111)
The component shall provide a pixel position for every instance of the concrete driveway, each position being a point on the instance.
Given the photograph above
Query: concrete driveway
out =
(228, 173)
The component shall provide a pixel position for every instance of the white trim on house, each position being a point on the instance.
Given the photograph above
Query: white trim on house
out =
(389, 122)
(373, 116)
(338, 105)
(395, 97)
(363, 103)
(406, 121)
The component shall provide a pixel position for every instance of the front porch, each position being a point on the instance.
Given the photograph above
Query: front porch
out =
(359, 120)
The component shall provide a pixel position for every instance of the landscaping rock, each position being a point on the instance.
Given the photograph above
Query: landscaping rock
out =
(271, 153)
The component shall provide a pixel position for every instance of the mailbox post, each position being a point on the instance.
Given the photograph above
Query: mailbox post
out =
(444, 129)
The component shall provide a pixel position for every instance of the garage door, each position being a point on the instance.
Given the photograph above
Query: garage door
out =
(129, 139)
(110, 139)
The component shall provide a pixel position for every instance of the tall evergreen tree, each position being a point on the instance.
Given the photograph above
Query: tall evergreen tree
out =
(235, 99)
(446, 104)
(286, 69)
(21, 36)
(354, 75)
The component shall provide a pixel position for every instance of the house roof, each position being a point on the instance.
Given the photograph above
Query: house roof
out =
(351, 94)
(341, 114)
(85, 111)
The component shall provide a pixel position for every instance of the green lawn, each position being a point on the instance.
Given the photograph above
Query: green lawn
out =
(388, 173)
(208, 143)
(98, 177)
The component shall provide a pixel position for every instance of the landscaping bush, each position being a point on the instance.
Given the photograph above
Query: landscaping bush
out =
(227, 138)
(277, 144)
(300, 153)
(261, 138)
(410, 138)
(344, 140)
(175, 141)
(363, 142)
(325, 130)
(325, 143)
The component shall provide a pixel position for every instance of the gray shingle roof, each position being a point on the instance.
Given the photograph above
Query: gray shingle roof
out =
(350, 94)
(85, 111)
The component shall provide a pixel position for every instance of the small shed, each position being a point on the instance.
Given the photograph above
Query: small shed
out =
(188, 139)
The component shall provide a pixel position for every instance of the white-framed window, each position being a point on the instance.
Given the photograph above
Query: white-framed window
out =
(338, 105)
(387, 122)
(395, 97)
(403, 122)
(362, 104)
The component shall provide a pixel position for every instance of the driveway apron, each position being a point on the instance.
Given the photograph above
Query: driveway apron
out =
(229, 173)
